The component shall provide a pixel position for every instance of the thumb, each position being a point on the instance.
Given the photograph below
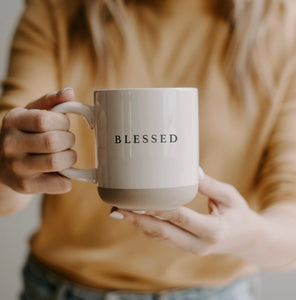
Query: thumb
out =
(48, 101)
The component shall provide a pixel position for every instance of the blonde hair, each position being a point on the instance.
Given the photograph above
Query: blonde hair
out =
(249, 23)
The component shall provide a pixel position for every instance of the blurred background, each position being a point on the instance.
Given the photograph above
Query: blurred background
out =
(15, 230)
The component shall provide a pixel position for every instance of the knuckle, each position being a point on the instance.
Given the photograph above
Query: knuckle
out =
(180, 217)
(53, 163)
(23, 185)
(63, 184)
(51, 142)
(7, 143)
(14, 165)
(40, 121)
(62, 119)
(157, 233)
(160, 234)
(8, 119)
(137, 221)
(6, 122)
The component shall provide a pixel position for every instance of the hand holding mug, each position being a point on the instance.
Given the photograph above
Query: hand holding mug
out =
(34, 144)
(231, 227)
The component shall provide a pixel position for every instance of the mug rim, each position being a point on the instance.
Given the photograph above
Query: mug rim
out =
(145, 89)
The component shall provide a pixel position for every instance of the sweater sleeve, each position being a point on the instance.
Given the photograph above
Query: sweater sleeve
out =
(277, 178)
(32, 70)
(276, 181)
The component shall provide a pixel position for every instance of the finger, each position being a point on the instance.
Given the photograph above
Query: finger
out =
(221, 192)
(48, 101)
(45, 183)
(35, 120)
(201, 225)
(53, 184)
(38, 143)
(167, 233)
(42, 163)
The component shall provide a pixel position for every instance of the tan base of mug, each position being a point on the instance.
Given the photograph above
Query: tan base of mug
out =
(148, 199)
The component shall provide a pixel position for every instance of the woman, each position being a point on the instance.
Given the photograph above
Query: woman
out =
(241, 56)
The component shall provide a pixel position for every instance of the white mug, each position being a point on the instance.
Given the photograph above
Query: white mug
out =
(147, 146)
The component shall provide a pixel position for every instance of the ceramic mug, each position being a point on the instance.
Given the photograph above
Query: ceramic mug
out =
(147, 146)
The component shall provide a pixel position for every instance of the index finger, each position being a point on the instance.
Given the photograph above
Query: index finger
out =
(221, 192)
(37, 121)
(201, 225)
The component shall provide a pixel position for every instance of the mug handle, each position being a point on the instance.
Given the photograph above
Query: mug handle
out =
(86, 175)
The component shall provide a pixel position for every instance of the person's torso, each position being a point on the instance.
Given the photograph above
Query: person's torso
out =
(179, 47)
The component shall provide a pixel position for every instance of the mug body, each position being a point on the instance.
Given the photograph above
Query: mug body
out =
(147, 149)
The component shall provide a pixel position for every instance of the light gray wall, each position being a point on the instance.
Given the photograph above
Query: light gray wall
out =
(15, 230)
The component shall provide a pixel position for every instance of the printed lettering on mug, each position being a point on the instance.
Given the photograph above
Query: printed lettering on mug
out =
(145, 139)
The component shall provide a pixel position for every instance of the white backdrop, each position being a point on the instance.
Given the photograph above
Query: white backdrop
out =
(15, 230)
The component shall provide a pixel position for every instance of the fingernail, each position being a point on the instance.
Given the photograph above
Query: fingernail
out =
(61, 92)
(139, 212)
(201, 173)
(116, 215)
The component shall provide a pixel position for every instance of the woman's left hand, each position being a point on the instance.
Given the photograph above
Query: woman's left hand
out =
(231, 227)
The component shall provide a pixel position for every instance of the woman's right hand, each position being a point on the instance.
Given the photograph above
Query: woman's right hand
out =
(35, 144)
